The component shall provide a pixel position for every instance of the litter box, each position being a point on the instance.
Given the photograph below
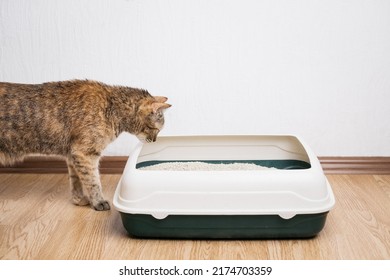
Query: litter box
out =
(291, 199)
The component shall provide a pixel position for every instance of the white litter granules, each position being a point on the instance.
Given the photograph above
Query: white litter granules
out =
(203, 166)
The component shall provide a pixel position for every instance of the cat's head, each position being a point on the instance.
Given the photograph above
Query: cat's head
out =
(152, 118)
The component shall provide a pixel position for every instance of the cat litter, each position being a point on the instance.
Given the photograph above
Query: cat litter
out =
(203, 166)
(246, 187)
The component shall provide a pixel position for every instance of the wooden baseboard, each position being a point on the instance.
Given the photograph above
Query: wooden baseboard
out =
(355, 165)
(116, 164)
(42, 164)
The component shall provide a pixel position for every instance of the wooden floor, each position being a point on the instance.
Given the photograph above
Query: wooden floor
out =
(38, 221)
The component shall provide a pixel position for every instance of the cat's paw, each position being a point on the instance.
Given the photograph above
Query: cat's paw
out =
(102, 205)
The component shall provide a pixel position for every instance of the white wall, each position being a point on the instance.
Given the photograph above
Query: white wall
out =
(320, 69)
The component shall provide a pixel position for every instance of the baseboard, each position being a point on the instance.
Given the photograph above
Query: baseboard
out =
(116, 164)
(42, 164)
(355, 165)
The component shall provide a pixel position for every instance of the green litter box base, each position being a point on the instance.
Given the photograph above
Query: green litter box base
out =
(224, 226)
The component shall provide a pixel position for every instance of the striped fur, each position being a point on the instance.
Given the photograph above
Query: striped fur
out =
(76, 119)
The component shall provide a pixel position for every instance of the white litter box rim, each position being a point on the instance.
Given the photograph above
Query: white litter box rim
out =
(138, 192)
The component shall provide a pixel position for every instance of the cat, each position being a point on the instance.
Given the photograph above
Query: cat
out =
(75, 119)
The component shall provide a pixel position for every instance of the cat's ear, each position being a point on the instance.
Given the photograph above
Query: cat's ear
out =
(161, 99)
(160, 106)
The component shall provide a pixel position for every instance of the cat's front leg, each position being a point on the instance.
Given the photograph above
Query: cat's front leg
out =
(76, 187)
(86, 168)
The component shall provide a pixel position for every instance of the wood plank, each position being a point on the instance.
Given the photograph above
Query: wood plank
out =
(38, 221)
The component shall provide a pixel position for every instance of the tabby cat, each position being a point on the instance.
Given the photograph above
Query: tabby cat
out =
(76, 119)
